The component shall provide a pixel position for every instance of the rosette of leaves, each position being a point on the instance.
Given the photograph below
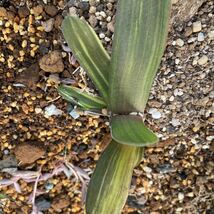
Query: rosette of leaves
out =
(124, 81)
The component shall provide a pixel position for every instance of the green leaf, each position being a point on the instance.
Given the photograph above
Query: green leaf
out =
(138, 45)
(81, 98)
(131, 130)
(88, 50)
(109, 185)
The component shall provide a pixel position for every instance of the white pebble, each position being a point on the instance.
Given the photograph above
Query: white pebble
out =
(52, 110)
(147, 169)
(177, 61)
(203, 60)
(180, 196)
(180, 42)
(155, 113)
(107, 39)
(196, 27)
(103, 14)
(191, 40)
(38, 110)
(102, 35)
(178, 92)
(108, 19)
(200, 37)
(175, 122)
(74, 114)
(171, 98)
(210, 138)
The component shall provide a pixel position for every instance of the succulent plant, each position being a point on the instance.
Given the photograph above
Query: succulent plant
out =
(124, 81)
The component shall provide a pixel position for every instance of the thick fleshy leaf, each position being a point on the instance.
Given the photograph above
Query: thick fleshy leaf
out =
(130, 130)
(81, 98)
(88, 50)
(138, 45)
(109, 185)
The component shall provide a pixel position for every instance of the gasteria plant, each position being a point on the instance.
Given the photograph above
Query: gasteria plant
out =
(124, 81)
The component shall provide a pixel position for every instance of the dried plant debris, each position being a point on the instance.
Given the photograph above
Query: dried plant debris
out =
(176, 175)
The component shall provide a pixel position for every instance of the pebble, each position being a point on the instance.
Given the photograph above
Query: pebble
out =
(42, 203)
(103, 14)
(196, 27)
(211, 94)
(74, 114)
(28, 153)
(52, 62)
(29, 76)
(93, 21)
(52, 110)
(48, 25)
(200, 37)
(49, 186)
(9, 162)
(180, 42)
(188, 32)
(38, 110)
(110, 26)
(175, 122)
(171, 98)
(177, 61)
(59, 203)
(211, 35)
(37, 10)
(147, 169)
(72, 11)
(102, 35)
(155, 113)
(23, 12)
(180, 196)
(210, 138)
(191, 40)
(203, 60)
(178, 92)
(92, 10)
(3, 12)
(51, 10)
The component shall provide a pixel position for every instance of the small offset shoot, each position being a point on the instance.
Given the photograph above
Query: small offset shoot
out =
(124, 82)
(81, 98)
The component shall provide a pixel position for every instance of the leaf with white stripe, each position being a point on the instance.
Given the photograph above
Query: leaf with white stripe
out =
(138, 45)
(88, 50)
(110, 182)
(81, 98)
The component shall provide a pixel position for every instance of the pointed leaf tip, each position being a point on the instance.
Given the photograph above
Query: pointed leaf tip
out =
(88, 50)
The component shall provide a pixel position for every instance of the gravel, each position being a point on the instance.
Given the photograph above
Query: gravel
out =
(175, 176)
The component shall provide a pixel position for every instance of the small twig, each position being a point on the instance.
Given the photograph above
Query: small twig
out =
(50, 101)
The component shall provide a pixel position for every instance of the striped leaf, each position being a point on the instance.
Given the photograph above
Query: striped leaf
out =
(109, 185)
(131, 130)
(139, 42)
(81, 98)
(88, 50)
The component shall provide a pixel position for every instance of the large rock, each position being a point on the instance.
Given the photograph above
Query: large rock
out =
(183, 10)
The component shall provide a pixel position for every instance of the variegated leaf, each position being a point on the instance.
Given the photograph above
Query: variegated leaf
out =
(130, 130)
(81, 98)
(88, 50)
(138, 45)
(110, 183)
